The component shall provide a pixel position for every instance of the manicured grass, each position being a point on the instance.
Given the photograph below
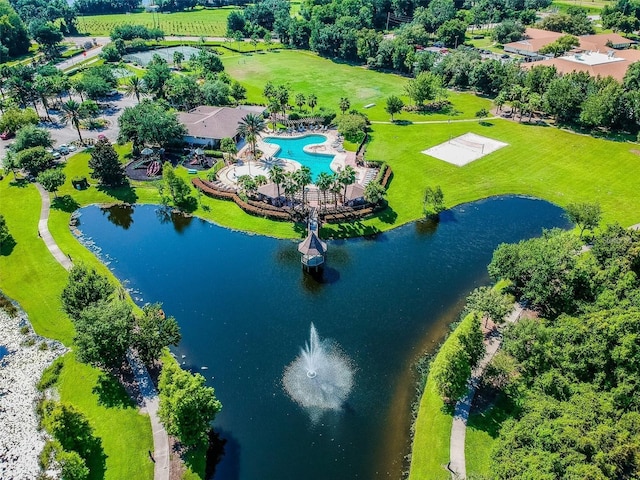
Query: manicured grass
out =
(199, 22)
(543, 162)
(430, 450)
(305, 72)
(125, 433)
(30, 275)
(482, 430)
(593, 7)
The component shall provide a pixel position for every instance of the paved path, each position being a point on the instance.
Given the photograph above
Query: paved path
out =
(438, 121)
(457, 461)
(150, 405)
(143, 380)
(43, 230)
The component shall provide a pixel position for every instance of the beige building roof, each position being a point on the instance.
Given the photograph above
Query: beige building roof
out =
(570, 63)
(215, 122)
(536, 38)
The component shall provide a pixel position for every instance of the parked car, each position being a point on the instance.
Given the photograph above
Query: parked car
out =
(6, 135)
(63, 149)
(54, 154)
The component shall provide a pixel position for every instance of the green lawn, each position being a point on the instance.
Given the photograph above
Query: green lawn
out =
(482, 430)
(544, 162)
(30, 275)
(305, 72)
(430, 450)
(593, 7)
(199, 22)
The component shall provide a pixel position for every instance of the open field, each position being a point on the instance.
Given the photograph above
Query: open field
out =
(30, 275)
(200, 22)
(543, 162)
(305, 72)
(593, 7)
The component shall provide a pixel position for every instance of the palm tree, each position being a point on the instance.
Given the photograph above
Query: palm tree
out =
(312, 101)
(250, 127)
(344, 104)
(323, 182)
(300, 101)
(71, 113)
(78, 87)
(135, 87)
(347, 177)
(276, 173)
(303, 178)
(335, 188)
(290, 185)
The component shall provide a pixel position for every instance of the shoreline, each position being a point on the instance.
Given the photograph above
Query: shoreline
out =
(21, 440)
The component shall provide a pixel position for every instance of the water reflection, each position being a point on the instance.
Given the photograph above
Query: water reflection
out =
(314, 282)
(222, 444)
(120, 215)
(179, 220)
(427, 227)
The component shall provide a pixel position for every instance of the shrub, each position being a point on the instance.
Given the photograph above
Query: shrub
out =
(353, 127)
(7, 306)
(50, 375)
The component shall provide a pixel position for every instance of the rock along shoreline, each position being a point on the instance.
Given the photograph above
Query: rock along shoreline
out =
(21, 367)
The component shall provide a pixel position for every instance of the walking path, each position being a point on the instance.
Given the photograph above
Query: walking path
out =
(43, 230)
(462, 120)
(457, 461)
(147, 390)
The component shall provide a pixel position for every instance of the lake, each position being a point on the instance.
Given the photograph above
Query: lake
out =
(245, 308)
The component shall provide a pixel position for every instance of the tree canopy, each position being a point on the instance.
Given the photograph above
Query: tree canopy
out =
(106, 165)
(84, 288)
(187, 405)
(149, 123)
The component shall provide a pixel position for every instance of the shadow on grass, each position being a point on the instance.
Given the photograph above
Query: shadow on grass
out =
(66, 203)
(300, 228)
(484, 123)
(388, 215)
(349, 230)
(490, 409)
(19, 182)
(111, 393)
(125, 193)
(403, 123)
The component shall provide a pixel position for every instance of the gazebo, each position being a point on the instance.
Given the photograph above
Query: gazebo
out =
(313, 252)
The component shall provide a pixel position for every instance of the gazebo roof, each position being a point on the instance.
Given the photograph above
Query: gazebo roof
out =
(269, 190)
(312, 246)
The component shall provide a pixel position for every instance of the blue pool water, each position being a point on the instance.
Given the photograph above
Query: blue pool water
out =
(292, 149)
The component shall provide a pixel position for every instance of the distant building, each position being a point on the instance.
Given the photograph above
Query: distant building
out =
(535, 39)
(613, 63)
(207, 125)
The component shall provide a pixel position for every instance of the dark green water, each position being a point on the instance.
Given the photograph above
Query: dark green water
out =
(244, 307)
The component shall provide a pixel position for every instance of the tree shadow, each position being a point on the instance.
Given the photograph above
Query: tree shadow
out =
(484, 123)
(189, 204)
(19, 182)
(7, 246)
(300, 228)
(403, 123)
(125, 193)
(490, 409)
(111, 393)
(388, 215)
(350, 229)
(427, 226)
(223, 456)
(66, 203)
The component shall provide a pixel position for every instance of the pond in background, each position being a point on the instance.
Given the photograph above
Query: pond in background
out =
(245, 306)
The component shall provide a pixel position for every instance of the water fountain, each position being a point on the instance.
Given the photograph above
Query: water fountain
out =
(321, 377)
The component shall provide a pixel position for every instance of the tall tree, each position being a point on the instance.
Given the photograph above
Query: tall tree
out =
(347, 176)
(303, 178)
(229, 148)
(394, 105)
(187, 405)
(149, 123)
(276, 174)
(585, 215)
(135, 87)
(71, 113)
(104, 333)
(344, 104)
(250, 127)
(324, 182)
(106, 165)
(312, 101)
(52, 179)
(153, 332)
(300, 101)
(84, 287)
(157, 74)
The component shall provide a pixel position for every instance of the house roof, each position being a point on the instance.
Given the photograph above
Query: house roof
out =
(570, 63)
(312, 246)
(355, 190)
(215, 122)
(535, 39)
(269, 190)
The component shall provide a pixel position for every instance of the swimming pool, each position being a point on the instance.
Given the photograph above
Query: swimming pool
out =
(292, 149)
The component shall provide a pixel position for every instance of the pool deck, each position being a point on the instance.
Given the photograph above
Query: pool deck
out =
(331, 146)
